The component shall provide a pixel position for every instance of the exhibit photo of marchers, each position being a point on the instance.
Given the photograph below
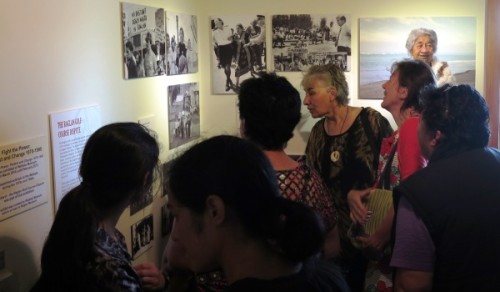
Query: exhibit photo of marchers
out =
(143, 40)
(182, 43)
(302, 40)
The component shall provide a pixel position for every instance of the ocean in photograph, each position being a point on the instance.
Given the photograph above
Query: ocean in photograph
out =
(376, 67)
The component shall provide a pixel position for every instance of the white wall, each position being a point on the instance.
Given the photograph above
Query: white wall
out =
(57, 55)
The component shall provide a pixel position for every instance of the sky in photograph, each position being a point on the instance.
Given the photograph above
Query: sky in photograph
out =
(456, 35)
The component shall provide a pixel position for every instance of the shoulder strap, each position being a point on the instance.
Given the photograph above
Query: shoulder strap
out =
(384, 181)
(371, 136)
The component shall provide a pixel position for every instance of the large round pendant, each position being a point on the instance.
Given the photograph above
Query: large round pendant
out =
(335, 156)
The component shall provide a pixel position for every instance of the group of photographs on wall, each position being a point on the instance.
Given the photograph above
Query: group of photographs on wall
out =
(158, 42)
(142, 231)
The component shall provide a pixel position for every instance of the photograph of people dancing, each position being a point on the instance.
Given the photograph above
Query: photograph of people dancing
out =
(238, 51)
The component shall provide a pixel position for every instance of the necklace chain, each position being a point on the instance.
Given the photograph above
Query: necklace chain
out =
(335, 155)
(343, 122)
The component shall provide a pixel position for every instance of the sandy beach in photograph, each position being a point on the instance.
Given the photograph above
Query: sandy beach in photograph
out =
(374, 90)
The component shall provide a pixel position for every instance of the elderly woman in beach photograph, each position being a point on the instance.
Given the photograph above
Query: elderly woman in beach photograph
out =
(422, 45)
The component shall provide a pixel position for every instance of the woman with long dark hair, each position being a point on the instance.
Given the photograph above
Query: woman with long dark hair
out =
(84, 251)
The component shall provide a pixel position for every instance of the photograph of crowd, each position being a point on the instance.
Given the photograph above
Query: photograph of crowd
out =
(142, 236)
(302, 40)
(239, 50)
(143, 41)
(182, 43)
(450, 49)
(183, 114)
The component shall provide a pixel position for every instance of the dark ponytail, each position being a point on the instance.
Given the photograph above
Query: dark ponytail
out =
(297, 232)
(69, 245)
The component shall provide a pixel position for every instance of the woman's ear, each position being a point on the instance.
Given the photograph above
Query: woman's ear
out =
(437, 137)
(333, 93)
(403, 92)
(215, 209)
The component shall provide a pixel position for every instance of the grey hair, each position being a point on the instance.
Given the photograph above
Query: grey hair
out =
(414, 34)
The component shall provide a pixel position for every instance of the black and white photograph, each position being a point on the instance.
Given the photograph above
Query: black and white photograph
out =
(142, 236)
(182, 43)
(447, 44)
(239, 50)
(183, 114)
(144, 201)
(143, 41)
(302, 40)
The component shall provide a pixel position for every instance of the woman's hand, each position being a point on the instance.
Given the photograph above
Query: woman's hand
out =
(355, 199)
(151, 277)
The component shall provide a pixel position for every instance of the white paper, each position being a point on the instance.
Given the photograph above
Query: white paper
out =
(70, 131)
(23, 179)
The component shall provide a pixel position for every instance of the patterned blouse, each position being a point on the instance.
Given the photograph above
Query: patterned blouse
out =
(304, 185)
(112, 266)
(347, 161)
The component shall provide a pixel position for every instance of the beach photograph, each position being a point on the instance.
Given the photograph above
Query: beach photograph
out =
(383, 42)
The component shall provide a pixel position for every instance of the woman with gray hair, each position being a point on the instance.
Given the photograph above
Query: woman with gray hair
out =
(422, 45)
(343, 147)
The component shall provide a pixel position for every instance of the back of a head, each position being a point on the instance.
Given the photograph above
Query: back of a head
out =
(460, 113)
(239, 173)
(270, 107)
(332, 75)
(415, 75)
(117, 166)
(116, 162)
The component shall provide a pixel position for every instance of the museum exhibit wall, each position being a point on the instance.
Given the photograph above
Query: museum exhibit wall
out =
(63, 55)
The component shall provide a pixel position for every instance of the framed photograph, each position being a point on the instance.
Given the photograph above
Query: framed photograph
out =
(239, 50)
(143, 41)
(302, 40)
(142, 236)
(383, 41)
(183, 114)
(182, 43)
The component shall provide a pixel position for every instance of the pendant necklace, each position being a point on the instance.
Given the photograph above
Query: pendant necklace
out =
(335, 155)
